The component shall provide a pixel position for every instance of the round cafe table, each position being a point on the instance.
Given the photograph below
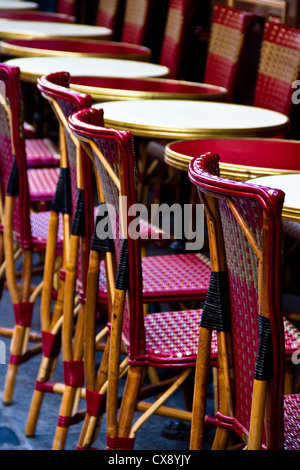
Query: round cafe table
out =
(18, 5)
(10, 29)
(74, 48)
(34, 67)
(116, 88)
(240, 158)
(187, 119)
(33, 15)
(290, 185)
(171, 119)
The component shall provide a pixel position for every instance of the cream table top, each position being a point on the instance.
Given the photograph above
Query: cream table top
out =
(172, 119)
(290, 185)
(34, 67)
(17, 29)
(17, 5)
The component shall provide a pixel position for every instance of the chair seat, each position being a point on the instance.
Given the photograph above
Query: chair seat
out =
(291, 229)
(182, 275)
(42, 183)
(39, 229)
(291, 406)
(170, 277)
(29, 131)
(41, 152)
(172, 337)
(291, 338)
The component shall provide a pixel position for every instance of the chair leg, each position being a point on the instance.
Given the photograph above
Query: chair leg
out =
(22, 308)
(66, 410)
(48, 364)
(132, 388)
(200, 389)
(91, 423)
(120, 433)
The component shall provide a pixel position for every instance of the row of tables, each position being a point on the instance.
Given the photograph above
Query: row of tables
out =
(144, 100)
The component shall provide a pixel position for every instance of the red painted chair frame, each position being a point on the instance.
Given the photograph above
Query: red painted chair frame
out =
(235, 212)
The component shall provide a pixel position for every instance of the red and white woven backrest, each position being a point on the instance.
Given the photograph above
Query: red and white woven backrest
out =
(107, 13)
(180, 14)
(229, 33)
(135, 21)
(279, 66)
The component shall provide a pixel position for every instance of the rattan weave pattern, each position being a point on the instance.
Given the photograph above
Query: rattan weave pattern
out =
(228, 33)
(42, 183)
(242, 264)
(291, 406)
(174, 335)
(279, 66)
(41, 152)
(135, 21)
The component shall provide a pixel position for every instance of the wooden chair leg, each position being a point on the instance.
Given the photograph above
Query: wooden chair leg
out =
(200, 389)
(66, 410)
(132, 388)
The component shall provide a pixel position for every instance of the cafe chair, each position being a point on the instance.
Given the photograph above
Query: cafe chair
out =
(170, 336)
(108, 12)
(245, 234)
(135, 23)
(179, 20)
(66, 7)
(279, 67)
(62, 325)
(23, 231)
(55, 88)
(229, 34)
